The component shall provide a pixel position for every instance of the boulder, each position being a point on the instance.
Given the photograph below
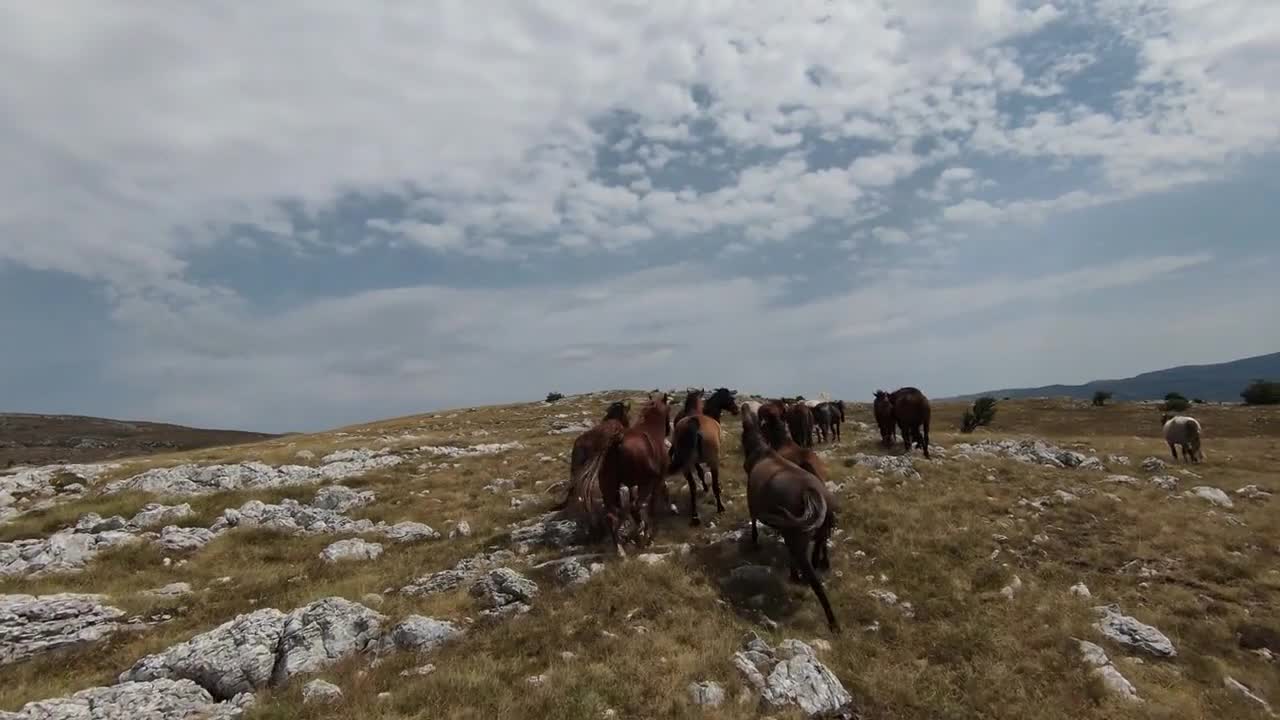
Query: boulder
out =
(352, 549)
(33, 624)
(1131, 633)
(706, 693)
(320, 691)
(152, 700)
(792, 676)
(421, 634)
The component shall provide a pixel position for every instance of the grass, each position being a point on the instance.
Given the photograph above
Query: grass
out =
(946, 543)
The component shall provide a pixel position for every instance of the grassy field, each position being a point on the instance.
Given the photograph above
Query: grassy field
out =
(634, 637)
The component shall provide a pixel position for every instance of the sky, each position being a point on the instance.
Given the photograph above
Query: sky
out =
(290, 216)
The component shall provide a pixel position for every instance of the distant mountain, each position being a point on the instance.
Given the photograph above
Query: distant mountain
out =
(34, 439)
(1220, 382)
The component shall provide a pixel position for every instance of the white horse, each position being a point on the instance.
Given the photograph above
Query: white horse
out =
(1183, 430)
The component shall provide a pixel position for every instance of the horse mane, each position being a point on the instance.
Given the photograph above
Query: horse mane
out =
(753, 444)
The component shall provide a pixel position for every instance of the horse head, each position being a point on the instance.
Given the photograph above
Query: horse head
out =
(724, 399)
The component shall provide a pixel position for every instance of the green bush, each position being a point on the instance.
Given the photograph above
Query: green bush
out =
(982, 413)
(1262, 392)
(1101, 397)
(554, 396)
(1176, 402)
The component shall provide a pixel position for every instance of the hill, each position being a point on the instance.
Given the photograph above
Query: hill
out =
(1055, 565)
(35, 439)
(1218, 382)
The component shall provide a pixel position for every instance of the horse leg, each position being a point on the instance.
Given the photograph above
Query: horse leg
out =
(693, 499)
(1173, 450)
(715, 486)
(821, 553)
(800, 558)
(613, 513)
(755, 534)
(702, 475)
(906, 437)
(925, 439)
(638, 502)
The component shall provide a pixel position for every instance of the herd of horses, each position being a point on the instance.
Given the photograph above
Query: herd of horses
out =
(786, 478)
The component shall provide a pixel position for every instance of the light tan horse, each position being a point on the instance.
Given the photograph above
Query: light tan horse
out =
(695, 443)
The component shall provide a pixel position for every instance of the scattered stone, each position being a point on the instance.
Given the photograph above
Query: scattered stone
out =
(899, 465)
(1213, 495)
(1239, 687)
(197, 480)
(1081, 590)
(504, 590)
(572, 572)
(1029, 450)
(1131, 633)
(549, 532)
(419, 671)
(1154, 465)
(33, 624)
(536, 680)
(451, 451)
(1092, 463)
(340, 498)
(1165, 482)
(1253, 492)
(183, 539)
(890, 598)
(1111, 678)
(706, 693)
(1120, 479)
(500, 485)
(1118, 459)
(64, 551)
(170, 591)
(319, 691)
(153, 514)
(1012, 588)
(462, 529)
(653, 558)
(155, 700)
(305, 455)
(406, 532)
(351, 549)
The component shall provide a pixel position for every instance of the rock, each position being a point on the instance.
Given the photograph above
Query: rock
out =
(64, 551)
(319, 691)
(1253, 492)
(170, 591)
(341, 498)
(572, 572)
(305, 455)
(752, 575)
(536, 680)
(323, 632)
(791, 676)
(652, 558)
(1120, 479)
(420, 670)
(183, 539)
(156, 700)
(462, 529)
(1092, 463)
(421, 634)
(1131, 633)
(899, 465)
(1111, 678)
(1165, 482)
(1008, 591)
(1213, 495)
(706, 693)
(153, 514)
(406, 532)
(1118, 459)
(264, 647)
(549, 532)
(352, 549)
(500, 485)
(95, 523)
(33, 624)
(1233, 684)
(451, 451)
(1081, 590)
(436, 582)
(502, 587)
(1154, 465)
(1071, 458)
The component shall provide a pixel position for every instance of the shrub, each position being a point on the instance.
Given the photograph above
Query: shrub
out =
(1198, 401)
(1101, 397)
(554, 396)
(1176, 402)
(982, 413)
(1262, 392)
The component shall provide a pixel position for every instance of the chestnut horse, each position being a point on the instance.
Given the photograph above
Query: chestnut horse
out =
(800, 422)
(911, 411)
(636, 458)
(789, 499)
(695, 443)
(883, 410)
(588, 446)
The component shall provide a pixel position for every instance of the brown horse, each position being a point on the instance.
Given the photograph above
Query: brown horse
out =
(911, 411)
(800, 422)
(773, 427)
(588, 446)
(883, 410)
(636, 458)
(695, 443)
(789, 499)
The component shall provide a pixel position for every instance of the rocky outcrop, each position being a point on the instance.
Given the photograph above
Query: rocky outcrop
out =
(265, 647)
(451, 451)
(549, 531)
(504, 590)
(1107, 673)
(1029, 450)
(421, 634)
(321, 692)
(352, 549)
(792, 675)
(32, 624)
(155, 700)
(64, 551)
(202, 480)
(898, 465)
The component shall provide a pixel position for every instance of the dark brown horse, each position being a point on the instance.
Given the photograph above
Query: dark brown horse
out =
(883, 410)
(789, 499)
(695, 443)
(800, 422)
(635, 458)
(911, 411)
(773, 427)
(592, 444)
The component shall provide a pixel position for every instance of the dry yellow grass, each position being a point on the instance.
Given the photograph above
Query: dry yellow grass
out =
(967, 652)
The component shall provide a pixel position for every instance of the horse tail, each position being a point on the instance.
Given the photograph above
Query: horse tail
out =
(584, 477)
(688, 444)
(808, 521)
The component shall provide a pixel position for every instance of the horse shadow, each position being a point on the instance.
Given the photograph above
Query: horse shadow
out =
(752, 582)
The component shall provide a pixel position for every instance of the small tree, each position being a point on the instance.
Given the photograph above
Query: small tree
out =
(982, 413)
(1262, 392)
(554, 396)
(1101, 397)
(1176, 402)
